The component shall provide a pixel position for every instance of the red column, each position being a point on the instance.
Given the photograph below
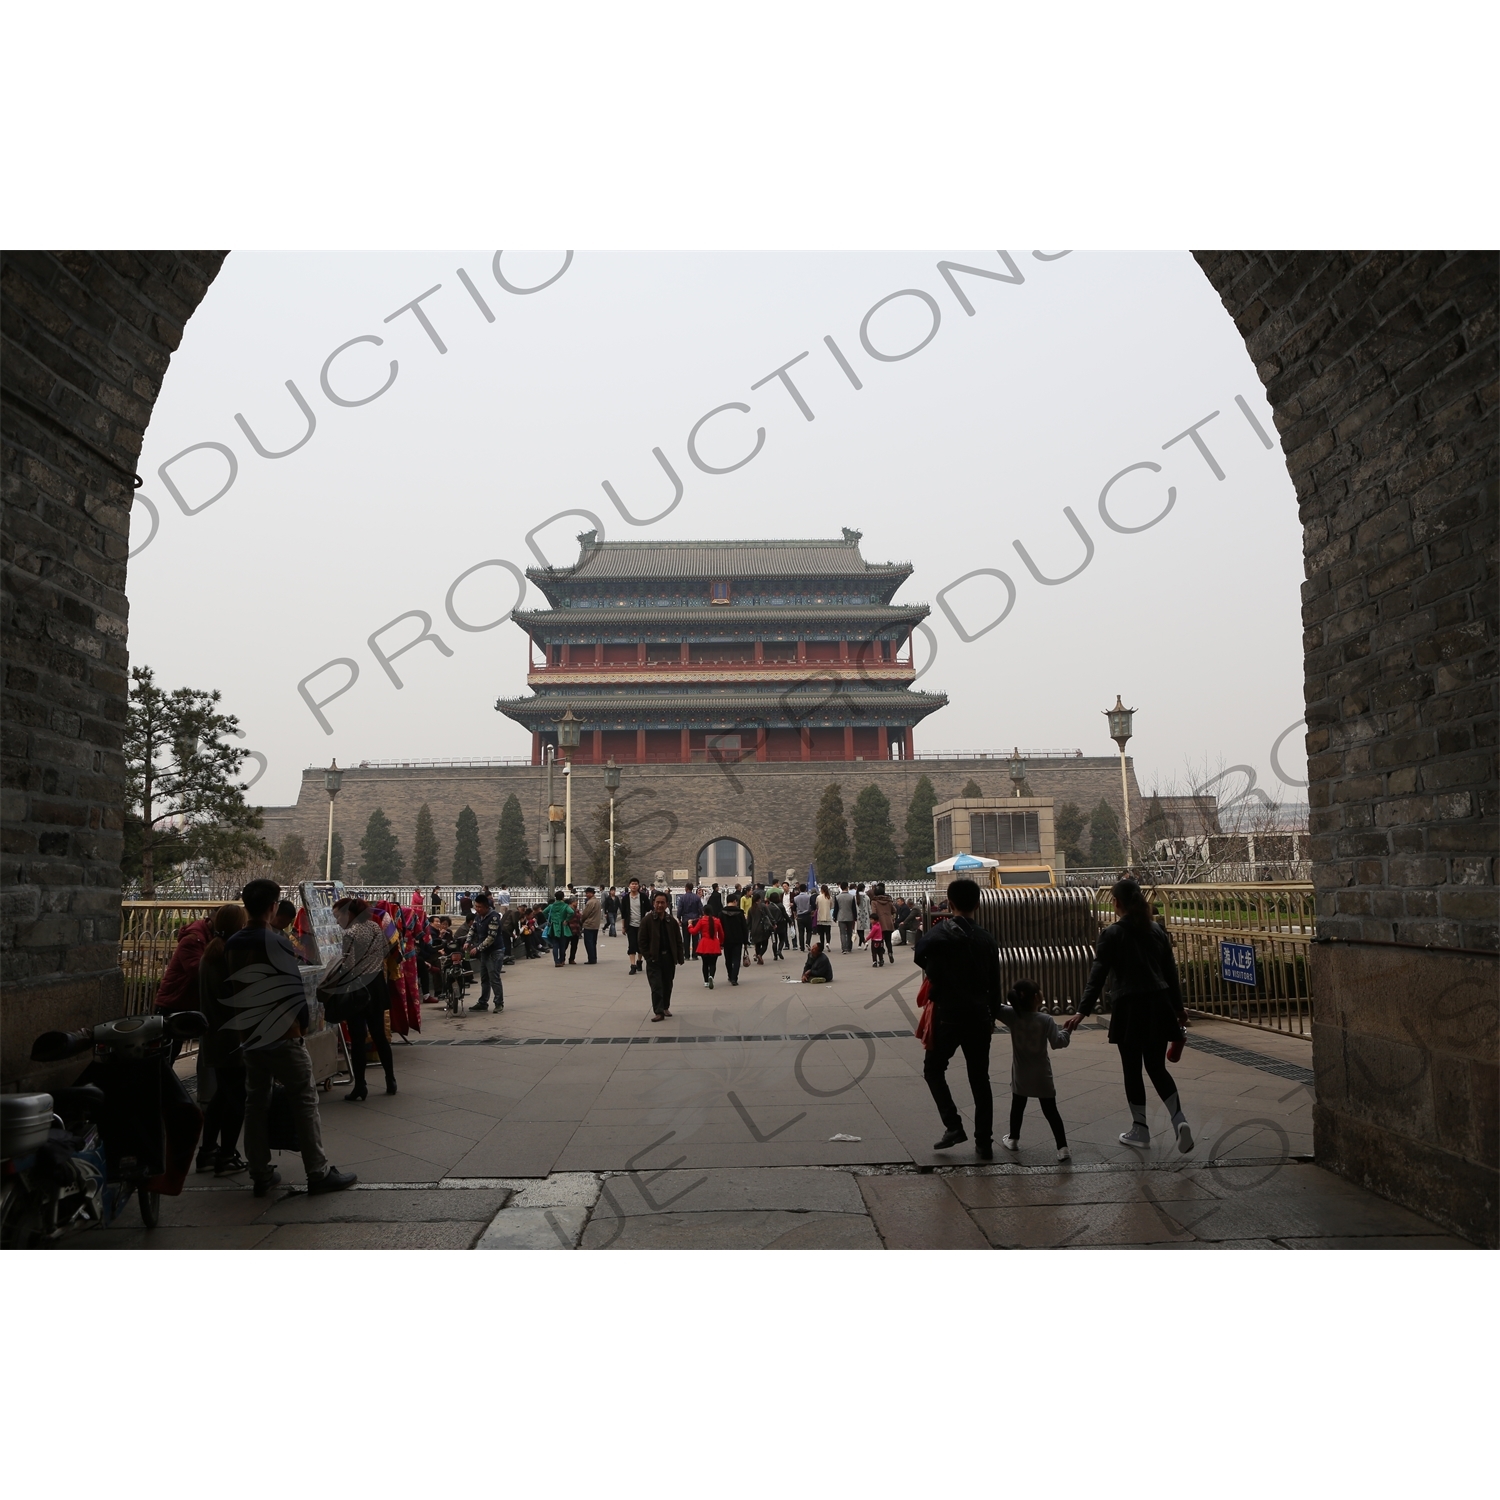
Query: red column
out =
(687, 742)
(760, 740)
(802, 655)
(599, 660)
(760, 653)
(640, 654)
(848, 742)
(844, 650)
(882, 743)
(640, 742)
(804, 736)
(536, 748)
(909, 751)
(565, 651)
(599, 751)
(685, 659)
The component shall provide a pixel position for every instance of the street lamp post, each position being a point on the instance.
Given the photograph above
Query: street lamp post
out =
(333, 779)
(611, 785)
(1017, 770)
(569, 732)
(1121, 721)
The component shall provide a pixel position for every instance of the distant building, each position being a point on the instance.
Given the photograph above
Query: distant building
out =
(1018, 833)
(676, 652)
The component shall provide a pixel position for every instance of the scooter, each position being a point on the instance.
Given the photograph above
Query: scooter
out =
(127, 1129)
(458, 975)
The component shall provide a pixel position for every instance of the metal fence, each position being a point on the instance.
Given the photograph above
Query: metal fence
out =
(148, 936)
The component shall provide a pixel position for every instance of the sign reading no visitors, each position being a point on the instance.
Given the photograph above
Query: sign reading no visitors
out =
(1237, 962)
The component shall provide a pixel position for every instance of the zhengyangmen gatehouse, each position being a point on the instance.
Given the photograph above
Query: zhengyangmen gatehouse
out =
(676, 652)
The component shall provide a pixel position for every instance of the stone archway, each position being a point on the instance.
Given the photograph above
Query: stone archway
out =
(1380, 368)
(725, 859)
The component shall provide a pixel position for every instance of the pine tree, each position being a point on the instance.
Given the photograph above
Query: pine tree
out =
(1105, 852)
(512, 857)
(336, 846)
(599, 853)
(874, 838)
(971, 789)
(424, 848)
(468, 868)
(916, 849)
(1155, 827)
(292, 860)
(382, 860)
(1069, 828)
(831, 840)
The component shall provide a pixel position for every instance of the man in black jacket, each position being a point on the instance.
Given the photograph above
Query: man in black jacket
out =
(963, 964)
(661, 952)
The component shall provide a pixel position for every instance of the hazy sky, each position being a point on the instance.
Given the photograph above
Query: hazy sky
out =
(1056, 383)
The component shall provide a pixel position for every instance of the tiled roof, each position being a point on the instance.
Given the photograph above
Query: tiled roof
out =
(795, 558)
(814, 700)
(731, 616)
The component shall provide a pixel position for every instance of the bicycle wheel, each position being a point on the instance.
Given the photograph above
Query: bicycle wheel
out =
(150, 1208)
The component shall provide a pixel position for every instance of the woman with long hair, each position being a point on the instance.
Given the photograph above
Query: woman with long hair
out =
(1148, 1013)
(221, 1065)
(823, 907)
(362, 967)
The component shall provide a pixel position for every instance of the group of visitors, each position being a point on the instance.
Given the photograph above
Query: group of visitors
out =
(962, 966)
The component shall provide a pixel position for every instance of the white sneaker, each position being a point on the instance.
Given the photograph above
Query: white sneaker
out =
(1184, 1138)
(1009, 1142)
(1063, 1154)
(1137, 1135)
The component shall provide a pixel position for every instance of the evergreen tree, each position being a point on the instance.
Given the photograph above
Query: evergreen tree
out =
(382, 860)
(971, 789)
(292, 860)
(512, 857)
(874, 838)
(1069, 828)
(1105, 851)
(831, 838)
(424, 848)
(468, 868)
(599, 852)
(337, 862)
(916, 849)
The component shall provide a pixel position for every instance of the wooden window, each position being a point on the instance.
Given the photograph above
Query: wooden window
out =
(1004, 833)
(944, 836)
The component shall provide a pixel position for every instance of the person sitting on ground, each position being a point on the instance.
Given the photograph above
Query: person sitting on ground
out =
(817, 969)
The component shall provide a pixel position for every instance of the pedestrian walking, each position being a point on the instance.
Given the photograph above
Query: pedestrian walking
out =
(802, 907)
(760, 926)
(962, 964)
(575, 924)
(844, 907)
(861, 914)
(487, 946)
(877, 943)
(662, 950)
(1032, 1033)
(633, 911)
(689, 909)
(221, 1064)
(823, 912)
(361, 967)
(883, 911)
(591, 919)
(736, 935)
(263, 989)
(708, 930)
(610, 906)
(1148, 1013)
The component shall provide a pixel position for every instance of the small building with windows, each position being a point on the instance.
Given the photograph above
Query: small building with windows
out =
(1018, 833)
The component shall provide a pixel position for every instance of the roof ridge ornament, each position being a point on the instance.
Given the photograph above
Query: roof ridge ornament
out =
(851, 536)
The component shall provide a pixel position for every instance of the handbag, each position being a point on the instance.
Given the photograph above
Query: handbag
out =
(924, 1022)
(340, 1002)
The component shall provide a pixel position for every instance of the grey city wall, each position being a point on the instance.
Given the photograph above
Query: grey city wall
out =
(667, 813)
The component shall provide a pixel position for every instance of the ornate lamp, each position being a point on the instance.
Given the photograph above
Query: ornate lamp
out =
(1121, 727)
(1017, 770)
(333, 779)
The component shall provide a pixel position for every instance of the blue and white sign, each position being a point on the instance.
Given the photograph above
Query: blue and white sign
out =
(1237, 962)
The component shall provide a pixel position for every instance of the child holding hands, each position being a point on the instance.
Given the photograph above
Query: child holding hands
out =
(1032, 1032)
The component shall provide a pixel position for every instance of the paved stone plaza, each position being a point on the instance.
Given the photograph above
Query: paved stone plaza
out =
(571, 1120)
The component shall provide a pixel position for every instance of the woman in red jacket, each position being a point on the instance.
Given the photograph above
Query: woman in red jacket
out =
(709, 931)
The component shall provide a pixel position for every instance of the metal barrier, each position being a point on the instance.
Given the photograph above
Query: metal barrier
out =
(1049, 936)
(148, 937)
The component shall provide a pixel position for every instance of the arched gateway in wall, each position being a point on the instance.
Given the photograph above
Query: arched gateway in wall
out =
(1380, 368)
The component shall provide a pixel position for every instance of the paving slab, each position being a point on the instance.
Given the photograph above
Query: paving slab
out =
(914, 1212)
(1058, 1225)
(1022, 1190)
(227, 1237)
(1382, 1242)
(1301, 1215)
(526, 1149)
(534, 1229)
(754, 1230)
(739, 1189)
(449, 1236)
(388, 1206)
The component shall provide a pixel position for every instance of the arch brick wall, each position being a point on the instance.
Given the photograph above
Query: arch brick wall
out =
(86, 341)
(1381, 370)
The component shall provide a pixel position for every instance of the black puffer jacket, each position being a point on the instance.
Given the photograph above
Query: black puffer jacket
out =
(963, 962)
(1148, 993)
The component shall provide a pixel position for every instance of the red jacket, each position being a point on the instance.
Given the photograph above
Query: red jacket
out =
(710, 934)
(178, 989)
